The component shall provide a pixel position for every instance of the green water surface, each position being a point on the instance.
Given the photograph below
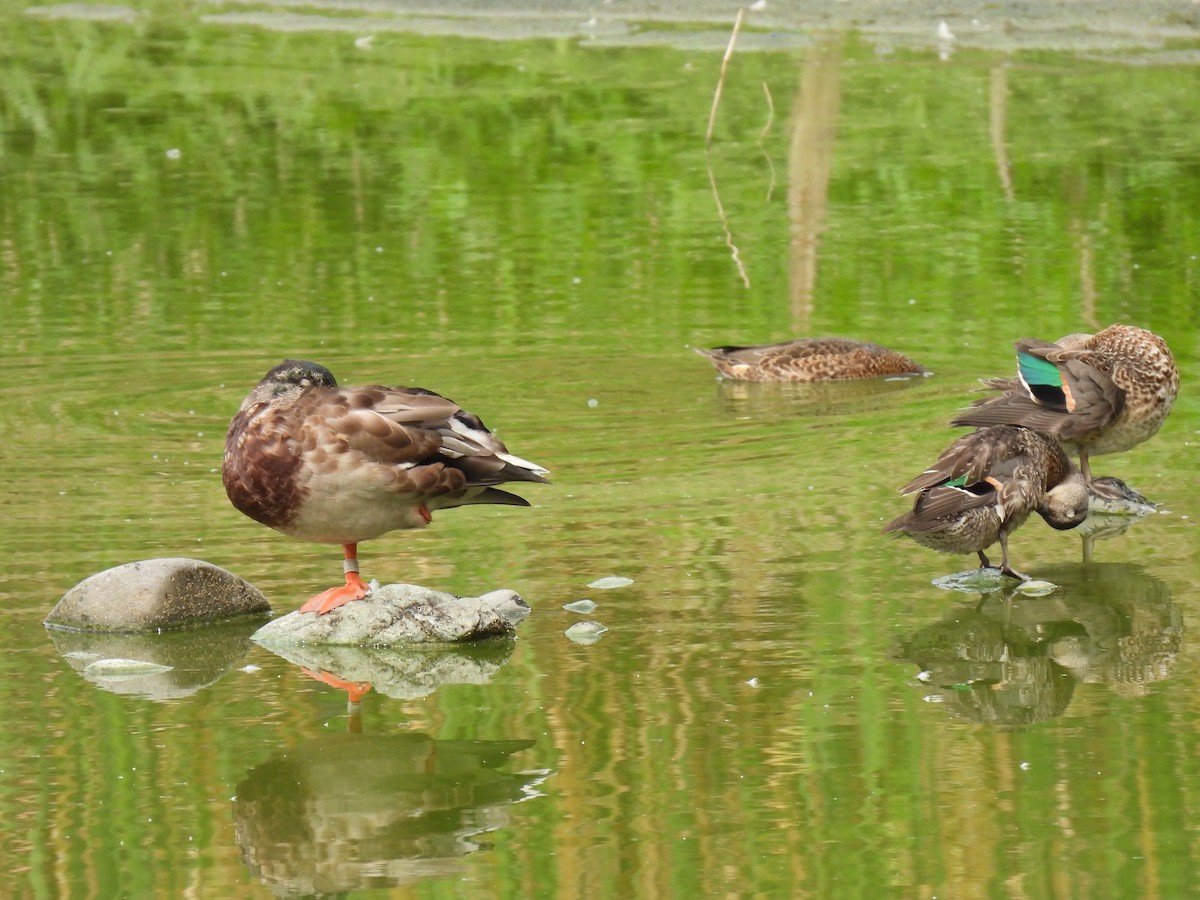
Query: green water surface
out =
(784, 704)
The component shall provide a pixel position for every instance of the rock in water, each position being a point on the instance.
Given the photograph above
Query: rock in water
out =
(157, 595)
(401, 614)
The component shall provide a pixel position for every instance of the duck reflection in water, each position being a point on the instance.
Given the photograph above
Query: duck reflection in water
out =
(354, 811)
(1013, 660)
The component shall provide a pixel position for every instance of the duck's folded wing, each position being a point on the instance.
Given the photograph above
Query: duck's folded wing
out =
(944, 502)
(387, 426)
(970, 459)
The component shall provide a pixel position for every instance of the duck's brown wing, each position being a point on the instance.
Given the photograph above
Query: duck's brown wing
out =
(411, 428)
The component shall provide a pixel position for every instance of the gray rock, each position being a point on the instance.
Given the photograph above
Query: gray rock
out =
(401, 614)
(157, 595)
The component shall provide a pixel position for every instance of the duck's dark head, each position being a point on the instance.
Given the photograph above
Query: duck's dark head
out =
(1066, 504)
(287, 382)
(300, 373)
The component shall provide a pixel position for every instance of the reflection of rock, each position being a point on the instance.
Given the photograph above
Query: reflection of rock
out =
(404, 673)
(352, 811)
(1015, 660)
(1113, 497)
(1113, 507)
(401, 614)
(195, 658)
(157, 594)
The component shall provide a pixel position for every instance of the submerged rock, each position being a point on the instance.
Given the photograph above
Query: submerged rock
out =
(157, 595)
(586, 632)
(609, 582)
(401, 614)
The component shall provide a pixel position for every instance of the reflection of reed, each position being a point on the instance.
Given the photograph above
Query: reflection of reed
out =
(997, 121)
(810, 163)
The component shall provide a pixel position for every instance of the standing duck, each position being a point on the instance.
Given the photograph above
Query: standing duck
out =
(343, 465)
(1096, 393)
(985, 485)
(809, 360)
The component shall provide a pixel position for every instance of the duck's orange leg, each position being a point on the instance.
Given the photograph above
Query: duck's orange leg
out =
(353, 589)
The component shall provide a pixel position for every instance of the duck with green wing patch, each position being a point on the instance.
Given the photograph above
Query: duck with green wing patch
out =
(984, 486)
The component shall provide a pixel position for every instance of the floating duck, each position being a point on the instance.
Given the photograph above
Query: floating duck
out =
(1096, 393)
(344, 465)
(984, 486)
(809, 360)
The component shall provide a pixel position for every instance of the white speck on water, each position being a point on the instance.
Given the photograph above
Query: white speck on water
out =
(912, 301)
(924, 676)
(250, 668)
(174, 153)
(753, 682)
(378, 249)
(1025, 766)
(576, 280)
(593, 403)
